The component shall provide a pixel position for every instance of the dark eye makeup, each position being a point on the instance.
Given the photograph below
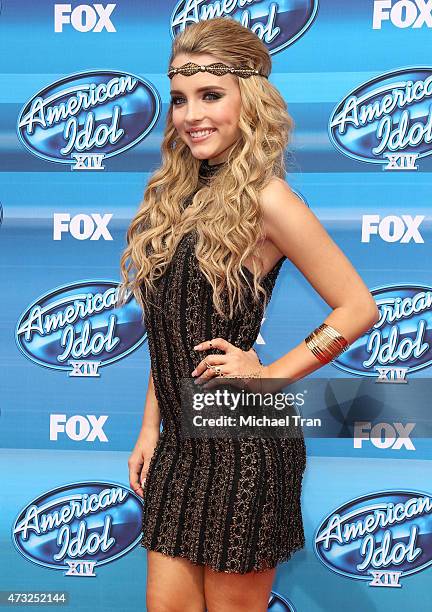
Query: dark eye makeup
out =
(175, 99)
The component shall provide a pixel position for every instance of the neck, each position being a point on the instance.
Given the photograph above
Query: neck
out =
(207, 170)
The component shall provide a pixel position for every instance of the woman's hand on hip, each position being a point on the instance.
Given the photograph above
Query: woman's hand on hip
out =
(235, 361)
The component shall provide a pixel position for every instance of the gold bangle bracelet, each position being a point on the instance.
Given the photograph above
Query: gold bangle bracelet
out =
(326, 343)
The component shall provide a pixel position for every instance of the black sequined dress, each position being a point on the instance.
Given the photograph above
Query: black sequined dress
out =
(230, 504)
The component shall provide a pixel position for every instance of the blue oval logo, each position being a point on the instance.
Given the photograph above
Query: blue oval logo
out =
(386, 120)
(277, 25)
(380, 537)
(78, 526)
(87, 117)
(79, 327)
(402, 337)
(278, 603)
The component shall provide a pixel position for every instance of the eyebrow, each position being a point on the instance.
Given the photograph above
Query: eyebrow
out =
(206, 88)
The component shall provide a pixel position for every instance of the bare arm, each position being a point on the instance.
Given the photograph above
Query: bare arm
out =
(299, 235)
(151, 418)
(148, 437)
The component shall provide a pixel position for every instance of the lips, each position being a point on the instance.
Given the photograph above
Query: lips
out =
(195, 130)
(198, 135)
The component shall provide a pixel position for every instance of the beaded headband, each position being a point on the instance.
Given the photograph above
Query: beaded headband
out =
(218, 68)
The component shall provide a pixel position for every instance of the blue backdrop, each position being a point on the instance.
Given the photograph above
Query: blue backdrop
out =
(84, 93)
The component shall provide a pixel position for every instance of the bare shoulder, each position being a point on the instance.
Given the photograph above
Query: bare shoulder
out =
(278, 197)
(286, 217)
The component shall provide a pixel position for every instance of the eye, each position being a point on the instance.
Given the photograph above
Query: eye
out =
(177, 100)
(174, 100)
(213, 93)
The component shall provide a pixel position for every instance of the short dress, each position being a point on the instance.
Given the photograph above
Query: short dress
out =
(232, 504)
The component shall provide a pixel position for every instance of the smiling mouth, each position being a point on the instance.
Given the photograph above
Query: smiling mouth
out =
(201, 134)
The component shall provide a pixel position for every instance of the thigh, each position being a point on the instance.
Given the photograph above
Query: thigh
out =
(174, 584)
(231, 592)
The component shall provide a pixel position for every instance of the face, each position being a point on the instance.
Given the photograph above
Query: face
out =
(205, 102)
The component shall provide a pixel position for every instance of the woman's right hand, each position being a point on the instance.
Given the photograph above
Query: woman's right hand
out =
(139, 461)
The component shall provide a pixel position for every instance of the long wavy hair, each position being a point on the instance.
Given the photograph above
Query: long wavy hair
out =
(225, 212)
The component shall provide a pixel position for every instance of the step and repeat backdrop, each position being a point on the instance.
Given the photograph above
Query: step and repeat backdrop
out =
(83, 95)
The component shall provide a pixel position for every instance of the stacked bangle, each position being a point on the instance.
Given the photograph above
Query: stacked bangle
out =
(326, 343)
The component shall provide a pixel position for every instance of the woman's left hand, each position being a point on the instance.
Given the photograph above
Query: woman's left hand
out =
(235, 362)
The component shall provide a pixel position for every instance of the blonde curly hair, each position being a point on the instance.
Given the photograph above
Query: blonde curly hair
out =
(225, 213)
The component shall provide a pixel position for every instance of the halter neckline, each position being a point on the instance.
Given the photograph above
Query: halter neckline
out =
(206, 170)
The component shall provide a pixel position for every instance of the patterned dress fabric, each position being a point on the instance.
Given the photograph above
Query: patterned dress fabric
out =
(232, 504)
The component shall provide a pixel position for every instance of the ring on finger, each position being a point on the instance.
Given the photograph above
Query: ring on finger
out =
(214, 368)
(219, 371)
(209, 366)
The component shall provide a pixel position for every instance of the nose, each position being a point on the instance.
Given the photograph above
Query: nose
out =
(193, 112)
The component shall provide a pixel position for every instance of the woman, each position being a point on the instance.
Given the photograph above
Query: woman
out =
(205, 249)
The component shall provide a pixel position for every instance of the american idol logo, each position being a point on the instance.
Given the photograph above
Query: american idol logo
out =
(387, 120)
(79, 526)
(87, 117)
(379, 537)
(400, 341)
(278, 25)
(79, 328)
